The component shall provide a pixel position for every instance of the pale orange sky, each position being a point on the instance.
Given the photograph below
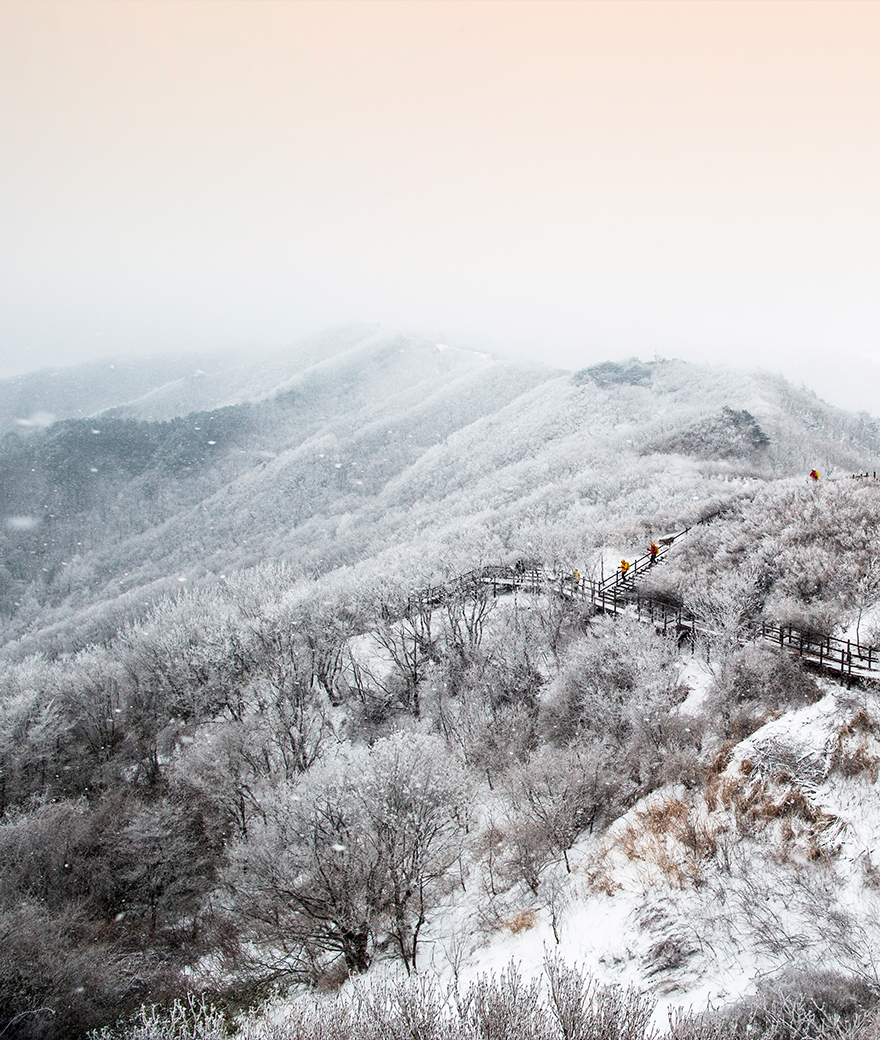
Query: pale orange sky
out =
(570, 181)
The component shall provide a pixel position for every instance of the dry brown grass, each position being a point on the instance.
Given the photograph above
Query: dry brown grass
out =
(859, 762)
(862, 722)
(759, 805)
(666, 816)
(600, 880)
(714, 776)
(669, 837)
(853, 755)
(521, 922)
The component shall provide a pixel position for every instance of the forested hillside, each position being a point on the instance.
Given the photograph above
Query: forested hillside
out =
(369, 444)
(242, 757)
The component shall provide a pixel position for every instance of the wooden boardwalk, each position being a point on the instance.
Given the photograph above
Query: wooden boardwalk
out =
(619, 594)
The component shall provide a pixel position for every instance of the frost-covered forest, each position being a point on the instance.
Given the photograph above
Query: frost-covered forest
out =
(251, 779)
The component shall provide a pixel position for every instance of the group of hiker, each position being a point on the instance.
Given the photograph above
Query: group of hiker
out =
(653, 553)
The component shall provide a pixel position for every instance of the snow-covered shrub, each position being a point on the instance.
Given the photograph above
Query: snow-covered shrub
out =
(504, 1007)
(790, 552)
(553, 798)
(59, 974)
(618, 685)
(586, 1010)
(190, 1019)
(569, 1005)
(803, 1004)
(752, 682)
(491, 741)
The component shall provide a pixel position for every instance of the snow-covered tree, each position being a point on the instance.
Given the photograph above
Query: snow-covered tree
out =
(356, 848)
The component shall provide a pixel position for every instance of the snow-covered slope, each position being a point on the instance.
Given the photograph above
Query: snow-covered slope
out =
(365, 442)
(693, 895)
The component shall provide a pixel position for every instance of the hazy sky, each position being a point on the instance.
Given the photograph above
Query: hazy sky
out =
(571, 181)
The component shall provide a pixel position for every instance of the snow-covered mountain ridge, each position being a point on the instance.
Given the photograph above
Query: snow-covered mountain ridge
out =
(365, 443)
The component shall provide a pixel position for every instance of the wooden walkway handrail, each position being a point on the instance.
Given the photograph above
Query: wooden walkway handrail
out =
(618, 593)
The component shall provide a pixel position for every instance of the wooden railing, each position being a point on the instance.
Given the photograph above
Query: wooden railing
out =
(618, 593)
(831, 654)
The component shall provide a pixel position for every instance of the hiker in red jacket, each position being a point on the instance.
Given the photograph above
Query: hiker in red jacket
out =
(814, 474)
(652, 551)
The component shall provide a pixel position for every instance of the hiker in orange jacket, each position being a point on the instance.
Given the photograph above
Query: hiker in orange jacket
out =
(624, 567)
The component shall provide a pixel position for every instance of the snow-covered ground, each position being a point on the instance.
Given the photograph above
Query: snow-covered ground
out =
(693, 895)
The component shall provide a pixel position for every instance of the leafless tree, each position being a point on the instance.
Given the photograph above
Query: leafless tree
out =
(358, 844)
